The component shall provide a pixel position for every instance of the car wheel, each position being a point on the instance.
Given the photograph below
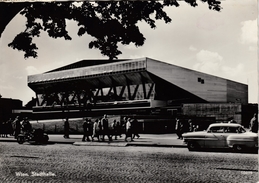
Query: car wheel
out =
(45, 139)
(20, 140)
(238, 148)
(192, 146)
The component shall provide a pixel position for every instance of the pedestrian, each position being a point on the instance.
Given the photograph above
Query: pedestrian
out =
(123, 124)
(134, 127)
(196, 128)
(26, 126)
(66, 129)
(105, 127)
(254, 124)
(115, 129)
(10, 127)
(179, 128)
(88, 130)
(128, 130)
(17, 122)
(4, 129)
(96, 129)
(190, 125)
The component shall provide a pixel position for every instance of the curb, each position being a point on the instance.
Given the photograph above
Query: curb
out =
(99, 144)
(123, 144)
(115, 144)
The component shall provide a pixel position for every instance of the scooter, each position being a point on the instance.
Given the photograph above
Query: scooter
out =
(37, 136)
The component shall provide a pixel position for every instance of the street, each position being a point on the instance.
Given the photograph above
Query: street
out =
(69, 163)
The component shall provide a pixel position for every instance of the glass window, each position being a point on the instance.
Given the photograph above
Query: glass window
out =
(217, 129)
(231, 130)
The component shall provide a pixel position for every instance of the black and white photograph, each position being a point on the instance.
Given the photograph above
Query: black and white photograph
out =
(129, 91)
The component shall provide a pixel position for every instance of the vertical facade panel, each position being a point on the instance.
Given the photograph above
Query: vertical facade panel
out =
(210, 88)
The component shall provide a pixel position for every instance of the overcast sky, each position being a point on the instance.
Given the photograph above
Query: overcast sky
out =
(222, 43)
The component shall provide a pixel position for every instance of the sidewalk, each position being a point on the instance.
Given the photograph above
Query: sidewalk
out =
(152, 140)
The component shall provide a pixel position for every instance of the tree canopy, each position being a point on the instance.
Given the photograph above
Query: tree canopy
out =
(108, 22)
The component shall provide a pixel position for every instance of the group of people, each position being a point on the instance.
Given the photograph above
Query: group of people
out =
(15, 127)
(6, 128)
(101, 128)
(184, 126)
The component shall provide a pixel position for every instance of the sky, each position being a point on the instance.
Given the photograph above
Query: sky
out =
(221, 43)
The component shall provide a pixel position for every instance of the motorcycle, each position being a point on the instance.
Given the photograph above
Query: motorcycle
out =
(37, 135)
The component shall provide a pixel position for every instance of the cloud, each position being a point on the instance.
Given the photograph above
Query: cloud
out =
(131, 46)
(234, 71)
(208, 62)
(192, 48)
(31, 70)
(249, 32)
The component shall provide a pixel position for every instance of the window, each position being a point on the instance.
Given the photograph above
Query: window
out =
(216, 129)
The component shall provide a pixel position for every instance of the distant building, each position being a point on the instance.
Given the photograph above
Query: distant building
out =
(141, 87)
(7, 107)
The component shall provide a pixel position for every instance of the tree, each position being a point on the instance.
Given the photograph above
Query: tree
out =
(109, 22)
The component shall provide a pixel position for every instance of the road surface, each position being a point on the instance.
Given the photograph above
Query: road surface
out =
(69, 163)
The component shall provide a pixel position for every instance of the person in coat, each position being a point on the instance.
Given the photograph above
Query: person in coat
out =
(134, 127)
(128, 130)
(105, 128)
(17, 122)
(96, 129)
(88, 130)
(254, 124)
(66, 129)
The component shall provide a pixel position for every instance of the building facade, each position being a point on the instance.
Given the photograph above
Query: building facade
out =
(139, 86)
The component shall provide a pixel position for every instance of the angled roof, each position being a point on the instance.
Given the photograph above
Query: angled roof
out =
(86, 63)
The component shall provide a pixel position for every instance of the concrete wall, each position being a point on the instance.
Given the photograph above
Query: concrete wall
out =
(212, 89)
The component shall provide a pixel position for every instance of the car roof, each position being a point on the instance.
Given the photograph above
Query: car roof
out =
(225, 125)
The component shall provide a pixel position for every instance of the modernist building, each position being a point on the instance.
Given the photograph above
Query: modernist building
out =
(138, 86)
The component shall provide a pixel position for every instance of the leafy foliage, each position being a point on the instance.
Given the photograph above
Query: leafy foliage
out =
(108, 22)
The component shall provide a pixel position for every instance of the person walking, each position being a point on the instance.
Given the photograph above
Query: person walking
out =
(10, 127)
(105, 127)
(3, 129)
(190, 125)
(254, 124)
(96, 130)
(134, 126)
(88, 129)
(128, 131)
(26, 126)
(17, 123)
(178, 128)
(66, 129)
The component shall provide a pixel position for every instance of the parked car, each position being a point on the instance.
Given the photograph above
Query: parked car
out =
(221, 135)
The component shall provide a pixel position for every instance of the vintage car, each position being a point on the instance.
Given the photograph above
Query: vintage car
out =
(221, 135)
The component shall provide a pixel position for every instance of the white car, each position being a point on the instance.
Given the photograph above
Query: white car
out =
(221, 135)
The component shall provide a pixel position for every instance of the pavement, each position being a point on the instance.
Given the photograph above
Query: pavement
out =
(152, 140)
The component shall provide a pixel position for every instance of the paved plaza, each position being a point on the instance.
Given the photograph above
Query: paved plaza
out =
(107, 162)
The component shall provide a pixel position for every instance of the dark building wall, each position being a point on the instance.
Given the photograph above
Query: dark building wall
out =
(6, 107)
(242, 114)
